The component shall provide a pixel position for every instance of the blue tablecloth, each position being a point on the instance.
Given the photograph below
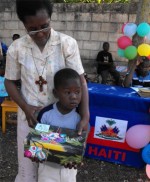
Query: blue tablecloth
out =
(113, 110)
(122, 103)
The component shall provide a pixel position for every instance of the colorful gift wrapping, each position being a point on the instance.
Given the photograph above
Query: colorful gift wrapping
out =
(59, 145)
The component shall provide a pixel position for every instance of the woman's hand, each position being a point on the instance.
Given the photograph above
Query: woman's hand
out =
(30, 114)
(82, 126)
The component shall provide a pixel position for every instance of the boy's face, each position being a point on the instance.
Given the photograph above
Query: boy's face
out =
(144, 68)
(106, 47)
(69, 95)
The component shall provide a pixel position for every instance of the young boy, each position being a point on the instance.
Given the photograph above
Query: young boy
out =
(138, 74)
(106, 65)
(15, 36)
(67, 89)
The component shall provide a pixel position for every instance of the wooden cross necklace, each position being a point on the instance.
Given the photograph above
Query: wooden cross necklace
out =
(41, 80)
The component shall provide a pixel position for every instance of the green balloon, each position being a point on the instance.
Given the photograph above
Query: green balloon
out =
(120, 52)
(130, 52)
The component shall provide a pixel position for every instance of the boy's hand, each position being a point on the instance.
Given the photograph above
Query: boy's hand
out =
(35, 159)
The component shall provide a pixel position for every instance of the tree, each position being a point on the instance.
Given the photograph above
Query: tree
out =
(143, 11)
(143, 15)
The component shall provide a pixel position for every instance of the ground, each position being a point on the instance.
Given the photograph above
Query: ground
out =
(92, 171)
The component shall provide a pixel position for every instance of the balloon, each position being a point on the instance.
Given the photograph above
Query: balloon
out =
(146, 154)
(143, 29)
(130, 52)
(148, 170)
(144, 50)
(148, 36)
(124, 42)
(138, 136)
(120, 52)
(122, 29)
(130, 29)
(148, 57)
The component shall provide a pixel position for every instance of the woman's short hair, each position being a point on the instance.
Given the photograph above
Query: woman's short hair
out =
(30, 7)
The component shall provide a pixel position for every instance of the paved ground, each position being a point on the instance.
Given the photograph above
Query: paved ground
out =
(93, 170)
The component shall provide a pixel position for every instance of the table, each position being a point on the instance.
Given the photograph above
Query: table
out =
(113, 110)
(7, 106)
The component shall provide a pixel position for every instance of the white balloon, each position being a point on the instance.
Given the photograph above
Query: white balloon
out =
(130, 29)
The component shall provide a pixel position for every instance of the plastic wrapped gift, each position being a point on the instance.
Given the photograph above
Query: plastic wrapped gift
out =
(59, 145)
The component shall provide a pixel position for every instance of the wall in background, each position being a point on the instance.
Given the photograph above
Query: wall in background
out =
(90, 24)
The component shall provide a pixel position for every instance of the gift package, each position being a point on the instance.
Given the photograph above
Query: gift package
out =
(144, 92)
(54, 144)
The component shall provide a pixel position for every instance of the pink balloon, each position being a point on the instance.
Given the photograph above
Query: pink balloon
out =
(138, 136)
(148, 170)
(122, 28)
(124, 42)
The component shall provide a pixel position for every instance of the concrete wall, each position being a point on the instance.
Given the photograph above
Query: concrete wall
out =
(90, 24)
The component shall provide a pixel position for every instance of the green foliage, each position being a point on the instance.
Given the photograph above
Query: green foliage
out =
(93, 1)
(110, 122)
(80, 1)
(115, 1)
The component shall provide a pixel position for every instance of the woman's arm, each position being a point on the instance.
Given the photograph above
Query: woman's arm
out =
(16, 96)
(84, 106)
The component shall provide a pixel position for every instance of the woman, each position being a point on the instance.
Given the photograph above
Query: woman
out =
(34, 59)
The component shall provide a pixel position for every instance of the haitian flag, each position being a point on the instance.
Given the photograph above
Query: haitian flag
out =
(113, 110)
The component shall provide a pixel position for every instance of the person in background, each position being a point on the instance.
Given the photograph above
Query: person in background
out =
(106, 65)
(3, 49)
(138, 74)
(3, 93)
(3, 52)
(68, 91)
(35, 58)
(15, 36)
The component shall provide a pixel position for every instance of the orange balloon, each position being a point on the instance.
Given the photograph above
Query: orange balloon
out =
(148, 57)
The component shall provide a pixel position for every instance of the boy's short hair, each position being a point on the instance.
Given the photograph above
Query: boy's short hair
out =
(63, 75)
(145, 63)
(15, 36)
(105, 44)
